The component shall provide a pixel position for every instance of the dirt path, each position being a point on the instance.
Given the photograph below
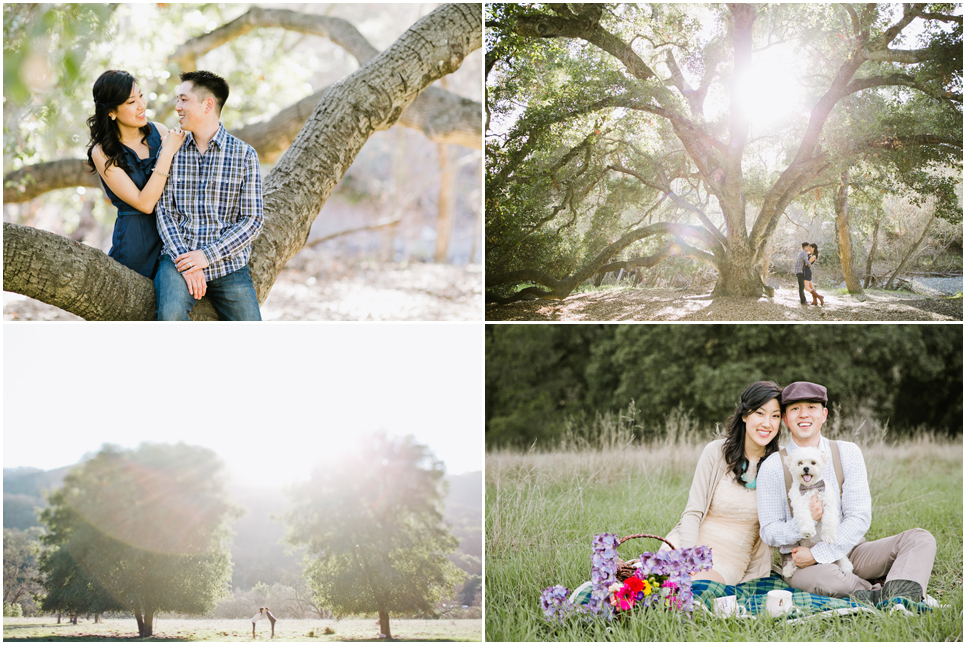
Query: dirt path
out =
(402, 291)
(627, 303)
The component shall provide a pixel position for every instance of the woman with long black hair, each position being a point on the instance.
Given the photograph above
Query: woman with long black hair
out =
(722, 511)
(132, 157)
(809, 286)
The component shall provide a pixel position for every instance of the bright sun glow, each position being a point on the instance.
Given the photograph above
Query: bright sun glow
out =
(768, 91)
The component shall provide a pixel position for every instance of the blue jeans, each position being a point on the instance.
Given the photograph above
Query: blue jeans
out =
(232, 295)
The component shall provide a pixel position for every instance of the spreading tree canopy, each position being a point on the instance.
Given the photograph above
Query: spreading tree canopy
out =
(372, 525)
(619, 135)
(142, 531)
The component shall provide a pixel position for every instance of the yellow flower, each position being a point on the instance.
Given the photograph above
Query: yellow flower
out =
(647, 588)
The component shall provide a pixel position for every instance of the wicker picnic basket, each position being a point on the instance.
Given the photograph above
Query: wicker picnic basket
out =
(626, 569)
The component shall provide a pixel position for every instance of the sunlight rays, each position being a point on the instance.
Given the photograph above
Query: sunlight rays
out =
(769, 91)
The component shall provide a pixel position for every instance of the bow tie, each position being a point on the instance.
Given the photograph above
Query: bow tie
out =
(818, 486)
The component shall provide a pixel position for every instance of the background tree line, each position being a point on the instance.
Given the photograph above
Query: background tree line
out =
(542, 380)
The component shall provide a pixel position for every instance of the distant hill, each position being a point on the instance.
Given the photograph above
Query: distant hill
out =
(464, 512)
(256, 552)
(23, 490)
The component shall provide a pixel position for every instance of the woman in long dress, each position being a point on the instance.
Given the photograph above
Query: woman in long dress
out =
(132, 157)
(722, 512)
(809, 286)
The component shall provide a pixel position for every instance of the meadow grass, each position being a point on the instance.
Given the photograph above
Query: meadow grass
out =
(543, 509)
(221, 631)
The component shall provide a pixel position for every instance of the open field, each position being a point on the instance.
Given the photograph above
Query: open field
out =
(542, 510)
(47, 629)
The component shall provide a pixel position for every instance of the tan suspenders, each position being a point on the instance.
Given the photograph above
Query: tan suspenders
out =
(836, 463)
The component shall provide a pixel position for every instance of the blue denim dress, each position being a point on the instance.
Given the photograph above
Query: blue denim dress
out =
(136, 243)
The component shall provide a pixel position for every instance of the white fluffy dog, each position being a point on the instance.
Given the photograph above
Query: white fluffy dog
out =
(806, 466)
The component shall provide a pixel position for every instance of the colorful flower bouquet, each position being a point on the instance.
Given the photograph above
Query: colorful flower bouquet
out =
(660, 579)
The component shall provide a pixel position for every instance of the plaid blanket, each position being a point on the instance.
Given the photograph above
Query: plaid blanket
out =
(750, 598)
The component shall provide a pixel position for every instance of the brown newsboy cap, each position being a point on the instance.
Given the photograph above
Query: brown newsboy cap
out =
(804, 391)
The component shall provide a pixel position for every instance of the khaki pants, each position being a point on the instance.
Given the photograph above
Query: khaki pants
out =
(907, 556)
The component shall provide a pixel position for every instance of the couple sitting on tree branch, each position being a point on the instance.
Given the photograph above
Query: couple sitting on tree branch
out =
(189, 199)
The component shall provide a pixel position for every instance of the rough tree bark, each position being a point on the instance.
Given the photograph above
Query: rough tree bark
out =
(373, 98)
(872, 250)
(442, 116)
(852, 281)
(384, 623)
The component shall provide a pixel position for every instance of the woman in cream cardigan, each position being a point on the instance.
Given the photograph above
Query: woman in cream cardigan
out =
(721, 511)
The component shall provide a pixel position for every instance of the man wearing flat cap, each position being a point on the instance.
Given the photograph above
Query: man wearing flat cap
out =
(904, 560)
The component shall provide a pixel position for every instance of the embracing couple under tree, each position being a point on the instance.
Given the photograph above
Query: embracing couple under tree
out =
(189, 199)
(739, 505)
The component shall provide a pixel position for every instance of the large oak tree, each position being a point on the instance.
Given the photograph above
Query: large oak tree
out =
(326, 130)
(613, 124)
(373, 531)
(142, 531)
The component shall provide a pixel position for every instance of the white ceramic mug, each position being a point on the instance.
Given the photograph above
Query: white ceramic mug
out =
(779, 602)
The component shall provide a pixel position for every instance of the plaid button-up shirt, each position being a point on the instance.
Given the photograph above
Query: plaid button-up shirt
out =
(780, 529)
(212, 202)
(801, 261)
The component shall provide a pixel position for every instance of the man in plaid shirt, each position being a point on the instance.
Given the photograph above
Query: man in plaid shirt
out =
(210, 211)
(800, 263)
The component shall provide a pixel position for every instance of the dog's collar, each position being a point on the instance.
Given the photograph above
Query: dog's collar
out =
(818, 486)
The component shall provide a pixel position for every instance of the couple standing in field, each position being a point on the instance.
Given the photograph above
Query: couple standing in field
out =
(739, 506)
(189, 199)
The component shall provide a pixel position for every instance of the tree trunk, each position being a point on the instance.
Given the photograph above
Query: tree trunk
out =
(852, 281)
(737, 275)
(348, 114)
(875, 246)
(911, 251)
(478, 219)
(384, 623)
(145, 623)
(444, 219)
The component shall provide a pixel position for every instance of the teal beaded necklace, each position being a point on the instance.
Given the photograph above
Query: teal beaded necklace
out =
(752, 484)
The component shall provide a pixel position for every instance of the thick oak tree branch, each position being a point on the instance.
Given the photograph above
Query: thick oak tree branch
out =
(339, 31)
(561, 288)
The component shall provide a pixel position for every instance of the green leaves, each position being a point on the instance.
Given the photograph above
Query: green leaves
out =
(142, 530)
(372, 526)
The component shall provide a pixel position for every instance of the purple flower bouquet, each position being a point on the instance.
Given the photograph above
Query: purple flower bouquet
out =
(660, 579)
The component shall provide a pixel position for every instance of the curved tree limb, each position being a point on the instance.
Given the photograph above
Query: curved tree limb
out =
(585, 26)
(899, 79)
(561, 288)
(348, 114)
(341, 32)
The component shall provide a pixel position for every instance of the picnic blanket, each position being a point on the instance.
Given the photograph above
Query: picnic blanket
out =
(748, 600)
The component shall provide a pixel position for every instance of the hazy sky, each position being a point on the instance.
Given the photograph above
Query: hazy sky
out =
(270, 399)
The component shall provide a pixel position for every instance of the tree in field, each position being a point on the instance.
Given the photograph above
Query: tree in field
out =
(372, 525)
(20, 572)
(142, 531)
(619, 135)
(314, 140)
